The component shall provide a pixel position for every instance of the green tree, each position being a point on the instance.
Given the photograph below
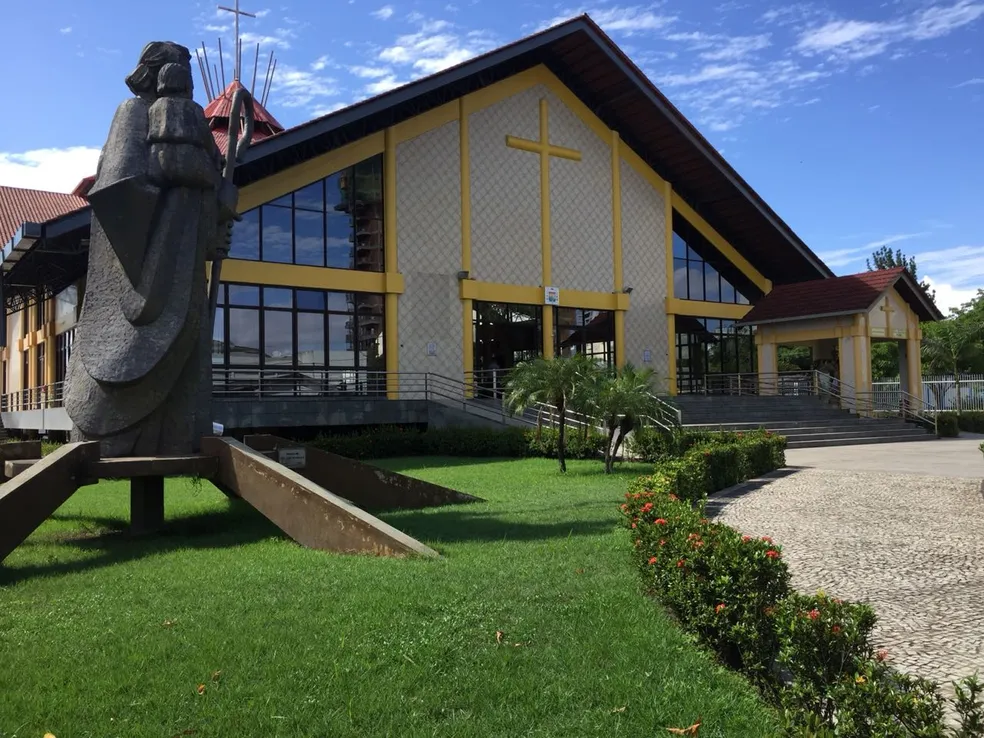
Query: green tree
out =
(551, 382)
(623, 399)
(954, 346)
(884, 258)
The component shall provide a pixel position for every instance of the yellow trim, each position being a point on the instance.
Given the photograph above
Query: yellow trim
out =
(391, 339)
(701, 309)
(472, 289)
(537, 147)
(726, 249)
(425, 122)
(309, 277)
(467, 306)
(279, 184)
(671, 364)
(774, 334)
(617, 268)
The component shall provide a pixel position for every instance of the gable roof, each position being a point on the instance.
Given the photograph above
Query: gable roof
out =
(855, 293)
(19, 206)
(590, 64)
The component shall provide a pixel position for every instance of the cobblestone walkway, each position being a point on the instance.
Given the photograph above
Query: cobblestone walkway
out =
(912, 546)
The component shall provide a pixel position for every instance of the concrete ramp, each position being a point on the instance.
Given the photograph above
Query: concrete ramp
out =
(304, 510)
(30, 498)
(366, 486)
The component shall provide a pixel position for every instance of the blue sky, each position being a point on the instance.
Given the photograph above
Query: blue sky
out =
(860, 122)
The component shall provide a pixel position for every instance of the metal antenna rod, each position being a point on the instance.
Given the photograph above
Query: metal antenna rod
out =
(266, 77)
(216, 70)
(201, 70)
(208, 69)
(256, 63)
(272, 72)
(222, 64)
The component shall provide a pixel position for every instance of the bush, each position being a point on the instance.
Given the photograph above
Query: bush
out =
(577, 445)
(511, 442)
(947, 425)
(811, 654)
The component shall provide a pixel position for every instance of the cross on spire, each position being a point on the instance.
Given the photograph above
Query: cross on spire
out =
(236, 13)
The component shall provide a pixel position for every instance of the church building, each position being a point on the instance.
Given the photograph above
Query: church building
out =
(543, 199)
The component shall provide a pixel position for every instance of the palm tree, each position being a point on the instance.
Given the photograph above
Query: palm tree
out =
(621, 404)
(953, 346)
(551, 382)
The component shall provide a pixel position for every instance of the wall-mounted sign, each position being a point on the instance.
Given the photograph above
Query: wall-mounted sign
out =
(898, 333)
(551, 296)
(431, 348)
(292, 458)
(877, 332)
(647, 356)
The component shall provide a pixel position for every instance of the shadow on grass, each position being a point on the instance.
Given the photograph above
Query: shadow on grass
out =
(113, 544)
(458, 526)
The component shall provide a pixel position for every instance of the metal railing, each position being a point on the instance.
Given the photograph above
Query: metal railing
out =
(747, 383)
(46, 397)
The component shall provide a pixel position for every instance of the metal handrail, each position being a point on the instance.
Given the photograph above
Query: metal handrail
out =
(45, 397)
(752, 383)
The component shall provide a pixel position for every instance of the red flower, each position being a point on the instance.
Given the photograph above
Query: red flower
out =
(746, 539)
(692, 536)
(673, 497)
(719, 608)
(659, 521)
(766, 539)
(633, 525)
(698, 544)
(813, 614)
(881, 655)
(681, 563)
(652, 561)
(662, 541)
(772, 553)
(835, 629)
(624, 507)
(647, 507)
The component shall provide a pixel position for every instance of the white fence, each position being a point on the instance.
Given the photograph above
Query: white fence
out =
(939, 392)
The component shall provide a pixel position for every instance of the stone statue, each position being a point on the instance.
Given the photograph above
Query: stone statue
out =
(139, 375)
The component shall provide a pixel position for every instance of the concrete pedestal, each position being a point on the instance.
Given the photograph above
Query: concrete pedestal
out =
(146, 505)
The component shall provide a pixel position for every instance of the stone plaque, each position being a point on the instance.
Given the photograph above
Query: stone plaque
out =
(899, 333)
(878, 332)
(292, 458)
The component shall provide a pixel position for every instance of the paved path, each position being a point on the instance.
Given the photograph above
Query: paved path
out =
(911, 544)
(951, 457)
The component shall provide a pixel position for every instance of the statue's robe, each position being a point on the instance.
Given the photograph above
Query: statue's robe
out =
(139, 375)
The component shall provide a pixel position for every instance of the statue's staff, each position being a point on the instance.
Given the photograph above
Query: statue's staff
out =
(242, 109)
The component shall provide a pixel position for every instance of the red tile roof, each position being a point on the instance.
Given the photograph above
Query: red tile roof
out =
(18, 206)
(855, 293)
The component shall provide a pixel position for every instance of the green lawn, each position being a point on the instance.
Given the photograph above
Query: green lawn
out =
(104, 636)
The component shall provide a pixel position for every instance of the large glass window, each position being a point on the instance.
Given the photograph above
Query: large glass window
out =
(700, 272)
(589, 332)
(506, 334)
(334, 222)
(710, 346)
(297, 341)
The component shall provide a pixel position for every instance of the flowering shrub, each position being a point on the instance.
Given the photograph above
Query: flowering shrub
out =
(811, 653)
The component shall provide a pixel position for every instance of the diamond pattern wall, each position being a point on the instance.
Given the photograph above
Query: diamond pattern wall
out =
(580, 205)
(505, 191)
(428, 211)
(644, 265)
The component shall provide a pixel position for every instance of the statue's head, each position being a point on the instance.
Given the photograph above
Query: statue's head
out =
(174, 80)
(143, 81)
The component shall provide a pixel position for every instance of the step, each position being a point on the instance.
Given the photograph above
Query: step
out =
(825, 435)
(860, 440)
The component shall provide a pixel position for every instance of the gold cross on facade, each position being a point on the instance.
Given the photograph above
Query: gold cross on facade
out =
(888, 310)
(545, 149)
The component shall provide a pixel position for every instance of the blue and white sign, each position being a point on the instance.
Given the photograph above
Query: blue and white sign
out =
(551, 296)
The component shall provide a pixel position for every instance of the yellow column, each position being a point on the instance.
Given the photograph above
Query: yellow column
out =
(467, 339)
(545, 255)
(671, 380)
(391, 342)
(50, 348)
(617, 247)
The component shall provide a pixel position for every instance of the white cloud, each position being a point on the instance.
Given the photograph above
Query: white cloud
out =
(370, 72)
(435, 48)
(969, 82)
(384, 13)
(896, 238)
(858, 254)
(298, 88)
(719, 47)
(627, 21)
(851, 40)
(320, 63)
(280, 39)
(65, 30)
(56, 170)
(948, 296)
(328, 109)
(387, 83)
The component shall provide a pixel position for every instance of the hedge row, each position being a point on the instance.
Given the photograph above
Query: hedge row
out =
(951, 425)
(810, 654)
(475, 442)
(655, 444)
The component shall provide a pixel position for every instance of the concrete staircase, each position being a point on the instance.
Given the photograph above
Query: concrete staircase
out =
(806, 421)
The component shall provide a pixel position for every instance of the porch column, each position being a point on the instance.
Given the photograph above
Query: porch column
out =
(913, 351)
(768, 363)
